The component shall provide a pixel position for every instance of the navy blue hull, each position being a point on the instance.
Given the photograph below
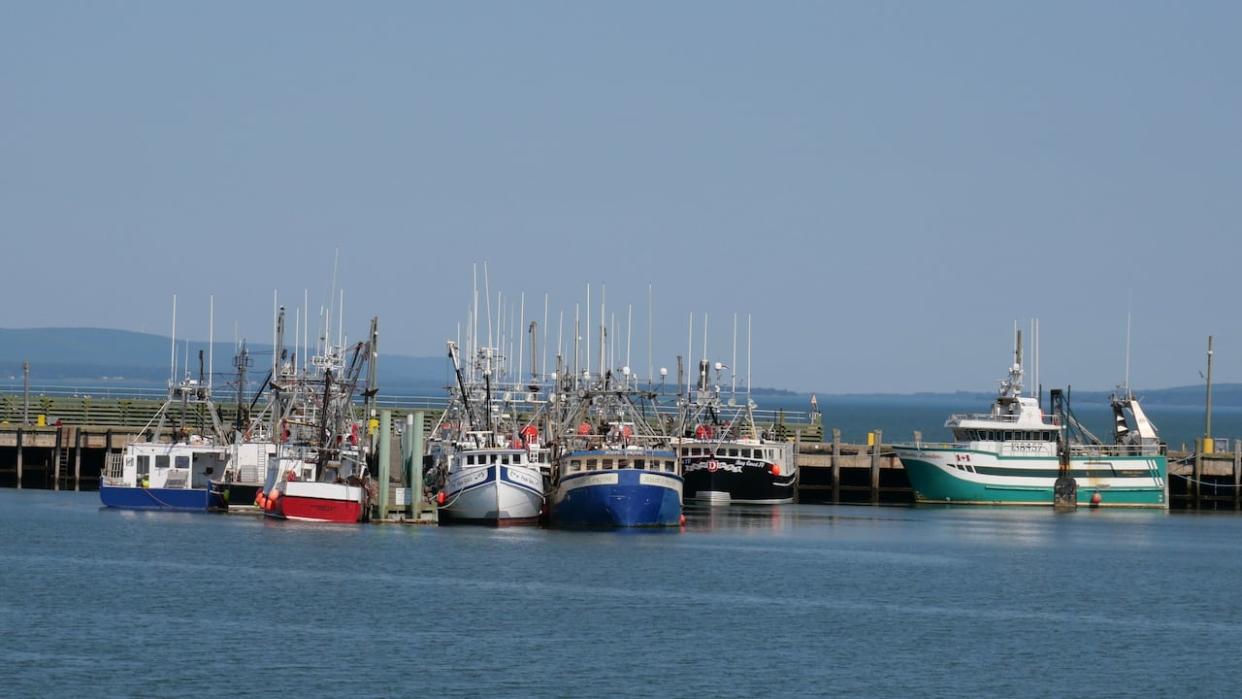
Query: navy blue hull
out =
(626, 503)
(176, 499)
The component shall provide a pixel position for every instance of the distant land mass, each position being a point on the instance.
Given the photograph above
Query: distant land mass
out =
(91, 357)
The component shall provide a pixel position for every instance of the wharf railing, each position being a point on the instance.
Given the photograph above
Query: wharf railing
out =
(133, 405)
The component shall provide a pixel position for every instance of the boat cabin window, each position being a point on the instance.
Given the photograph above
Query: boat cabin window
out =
(161, 461)
(591, 464)
(640, 464)
(670, 467)
(182, 461)
(143, 464)
(504, 458)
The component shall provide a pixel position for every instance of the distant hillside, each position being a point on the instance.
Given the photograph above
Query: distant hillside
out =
(1223, 395)
(92, 355)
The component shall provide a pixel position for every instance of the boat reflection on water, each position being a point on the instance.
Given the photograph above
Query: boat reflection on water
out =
(740, 517)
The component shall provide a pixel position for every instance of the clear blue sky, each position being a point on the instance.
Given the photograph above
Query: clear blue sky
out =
(886, 187)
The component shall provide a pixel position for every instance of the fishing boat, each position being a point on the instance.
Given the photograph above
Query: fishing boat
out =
(302, 492)
(170, 464)
(614, 469)
(486, 462)
(618, 486)
(724, 458)
(492, 483)
(159, 475)
(1015, 453)
(320, 471)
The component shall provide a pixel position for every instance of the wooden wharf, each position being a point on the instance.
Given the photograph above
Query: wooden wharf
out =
(71, 455)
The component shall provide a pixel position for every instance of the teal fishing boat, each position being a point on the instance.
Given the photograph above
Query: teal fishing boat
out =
(1013, 454)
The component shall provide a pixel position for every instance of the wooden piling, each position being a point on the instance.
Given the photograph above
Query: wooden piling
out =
(1194, 490)
(19, 458)
(77, 459)
(385, 453)
(1237, 473)
(875, 468)
(60, 431)
(797, 450)
(836, 465)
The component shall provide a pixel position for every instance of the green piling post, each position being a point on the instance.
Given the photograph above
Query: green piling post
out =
(416, 463)
(385, 453)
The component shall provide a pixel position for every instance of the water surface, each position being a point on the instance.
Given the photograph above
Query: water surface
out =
(798, 600)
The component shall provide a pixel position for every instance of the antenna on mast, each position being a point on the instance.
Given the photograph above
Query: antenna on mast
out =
(517, 368)
(487, 294)
(211, 337)
(1129, 314)
(650, 377)
(629, 335)
(689, 349)
(543, 370)
(589, 329)
(747, 358)
(733, 365)
(172, 353)
(305, 327)
(327, 329)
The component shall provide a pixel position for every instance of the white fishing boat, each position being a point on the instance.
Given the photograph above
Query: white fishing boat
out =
(487, 468)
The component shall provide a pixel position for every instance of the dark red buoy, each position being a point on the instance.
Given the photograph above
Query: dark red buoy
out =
(1095, 499)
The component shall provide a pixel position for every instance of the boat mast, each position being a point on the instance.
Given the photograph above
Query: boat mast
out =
(733, 365)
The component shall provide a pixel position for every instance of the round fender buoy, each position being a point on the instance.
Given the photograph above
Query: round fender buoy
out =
(1096, 499)
(440, 498)
(681, 521)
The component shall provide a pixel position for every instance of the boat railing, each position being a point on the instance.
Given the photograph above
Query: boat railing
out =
(1106, 450)
(957, 418)
(1076, 450)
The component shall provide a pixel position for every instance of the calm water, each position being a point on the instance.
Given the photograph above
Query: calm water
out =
(801, 600)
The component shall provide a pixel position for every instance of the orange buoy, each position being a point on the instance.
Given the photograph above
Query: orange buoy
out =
(681, 520)
(274, 496)
(776, 469)
(440, 498)
(258, 496)
(1095, 498)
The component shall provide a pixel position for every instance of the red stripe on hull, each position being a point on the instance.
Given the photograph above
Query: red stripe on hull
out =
(317, 510)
